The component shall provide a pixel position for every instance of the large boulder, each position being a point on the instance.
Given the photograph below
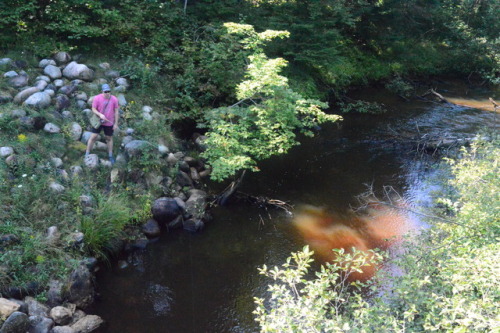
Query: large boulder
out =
(196, 204)
(87, 324)
(61, 315)
(51, 128)
(53, 72)
(76, 131)
(19, 81)
(7, 307)
(165, 209)
(78, 71)
(151, 229)
(16, 323)
(6, 151)
(24, 94)
(79, 288)
(38, 100)
(45, 62)
(135, 147)
(36, 308)
(40, 324)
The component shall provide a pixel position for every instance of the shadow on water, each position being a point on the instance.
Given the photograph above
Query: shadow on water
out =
(206, 282)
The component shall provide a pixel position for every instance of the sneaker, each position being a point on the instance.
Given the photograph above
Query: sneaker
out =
(112, 160)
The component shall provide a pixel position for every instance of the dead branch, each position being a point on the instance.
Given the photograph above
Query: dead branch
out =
(495, 104)
(230, 190)
(267, 202)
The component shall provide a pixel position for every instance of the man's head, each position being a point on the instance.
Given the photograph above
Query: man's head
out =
(106, 88)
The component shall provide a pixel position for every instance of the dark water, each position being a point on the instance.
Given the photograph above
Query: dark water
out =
(206, 282)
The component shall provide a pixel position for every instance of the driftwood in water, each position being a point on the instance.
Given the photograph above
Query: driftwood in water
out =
(439, 96)
(267, 202)
(230, 190)
(495, 104)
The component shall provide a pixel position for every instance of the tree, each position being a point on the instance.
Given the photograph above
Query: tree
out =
(264, 120)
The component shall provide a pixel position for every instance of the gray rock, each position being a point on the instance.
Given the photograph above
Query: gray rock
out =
(40, 324)
(5, 61)
(104, 66)
(163, 150)
(69, 116)
(135, 147)
(75, 170)
(41, 85)
(56, 162)
(62, 102)
(19, 81)
(61, 315)
(147, 116)
(67, 90)
(81, 95)
(165, 210)
(62, 329)
(119, 89)
(46, 62)
(91, 161)
(121, 81)
(196, 204)
(10, 74)
(151, 229)
(200, 143)
(6, 151)
(129, 131)
(54, 294)
(87, 324)
(176, 223)
(58, 83)
(53, 72)
(171, 159)
(56, 187)
(81, 104)
(43, 78)
(147, 109)
(86, 136)
(38, 100)
(121, 99)
(16, 323)
(78, 71)
(127, 139)
(50, 92)
(76, 131)
(79, 287)
(193, 225)
(184, 180)
(36, 308)
(24, 94)
(51, 128)
(62, 57)
(112, 74)
(53, 235)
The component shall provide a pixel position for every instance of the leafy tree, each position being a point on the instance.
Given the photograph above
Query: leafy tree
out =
(264, 120)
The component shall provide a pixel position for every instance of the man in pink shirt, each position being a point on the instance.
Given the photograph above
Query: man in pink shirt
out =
(106, 107)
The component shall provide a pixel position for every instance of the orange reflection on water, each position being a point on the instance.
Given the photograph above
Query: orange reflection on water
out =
(378, 226)
(483, 104)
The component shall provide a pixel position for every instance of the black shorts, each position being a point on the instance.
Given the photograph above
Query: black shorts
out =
(108, 130)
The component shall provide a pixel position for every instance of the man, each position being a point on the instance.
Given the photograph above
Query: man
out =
(106, 107)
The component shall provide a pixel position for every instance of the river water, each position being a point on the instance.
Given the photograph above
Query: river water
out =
(206, 282)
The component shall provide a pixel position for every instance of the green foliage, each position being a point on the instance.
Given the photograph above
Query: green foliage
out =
(104, 227)
(449, 273)
(362, 107)
(263, 122)
(143, 75)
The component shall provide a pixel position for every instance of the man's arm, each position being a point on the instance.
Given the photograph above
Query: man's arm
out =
(100, 115)
(117, 117)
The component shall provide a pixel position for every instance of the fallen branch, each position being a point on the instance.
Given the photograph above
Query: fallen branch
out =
(495, 104)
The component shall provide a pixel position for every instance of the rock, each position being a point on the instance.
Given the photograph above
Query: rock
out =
(69, 116)
(54, 294)
(41, 85)
(121, 100)
(175, 223)
(81, 95)
(5, 61)
(195, 176)
(51, 128)
(165, 210)
(62, 329)
(79, 288)
(43, 78)
(19, 81)
(75, 131)
(147, 116)
(87, 324)
(40, 324)
(193, 225)
(16, 323)
(75, 170)
(151, 229)
(183, 179)
(135, 147)
(24, 94)
(127, 139)
(50, 91)
(129, 131)
(171, 159)
(11, 160)
(163, 150)
(112, 74)
(91, 161)
(8, 239)
(122, 264)
(78, 71)
(62, 102)
(38, 100)
(27, 123)
(86, 136)
(195, 205)
(104, 66)
(18, 113)
(53, 72)
(147, 109)
(56, 187)
(121, 81)
(59, 83)
(45, 62)
(62, 57)
(115, 176)
(61, 315)
(183, 166)
(56, 162)
(36, 308)
(7, 307)
(67, 90)
(53, 235)
(10, 74)
(200, 143)
(6, 151)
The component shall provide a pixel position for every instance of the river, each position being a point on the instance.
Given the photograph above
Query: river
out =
(206, 282)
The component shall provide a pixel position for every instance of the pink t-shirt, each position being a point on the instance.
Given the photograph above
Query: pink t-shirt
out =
(100, 102)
